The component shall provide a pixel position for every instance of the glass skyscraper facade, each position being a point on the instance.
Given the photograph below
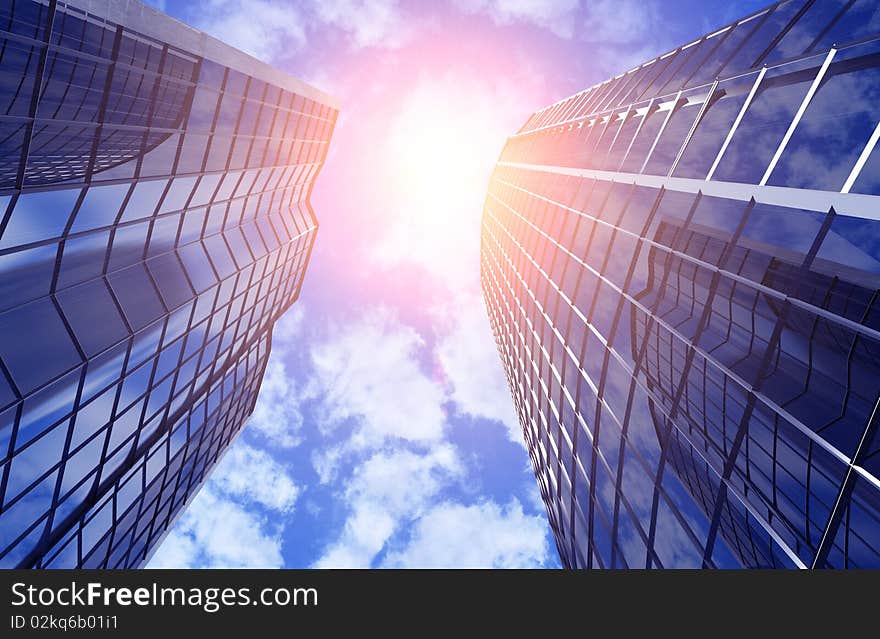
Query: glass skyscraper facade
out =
(154, 223)
(681, 267)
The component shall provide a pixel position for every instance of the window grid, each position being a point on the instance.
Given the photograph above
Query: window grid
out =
(180, 231)
(706, 345)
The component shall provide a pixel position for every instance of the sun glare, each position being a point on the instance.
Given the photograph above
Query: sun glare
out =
(436, 160)
(439, 155)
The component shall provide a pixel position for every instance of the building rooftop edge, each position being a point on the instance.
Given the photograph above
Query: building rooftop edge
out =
(748, 16)
(151, 22)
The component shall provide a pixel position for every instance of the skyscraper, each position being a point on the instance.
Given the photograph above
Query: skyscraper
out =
(154, 223)
(681, 267)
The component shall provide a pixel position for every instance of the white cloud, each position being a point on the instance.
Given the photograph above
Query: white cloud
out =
(367, 23)
(253, 475)
(327, 462)
(214, 532)
(224, 525)
(436, 159)
(387, 490)
(287, 328)
(263, 28)
(557, 16)
(619, 21)
(277, 415)
(368, 377)
(369, 372)
(473, 369)
(532, 493)
(366, 531)
(479, 536)
(401, 481)
(273, 29)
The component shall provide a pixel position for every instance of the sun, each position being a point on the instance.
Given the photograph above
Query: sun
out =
(437, 159)
(441, 149)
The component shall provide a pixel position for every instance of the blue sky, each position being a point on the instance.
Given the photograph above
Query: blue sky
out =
(384, 434)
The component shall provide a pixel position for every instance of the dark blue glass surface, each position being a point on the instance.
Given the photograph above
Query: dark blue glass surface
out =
(719, 413)
(117, 327)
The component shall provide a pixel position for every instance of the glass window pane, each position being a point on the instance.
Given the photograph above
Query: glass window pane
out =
(26, 275)
(785, 232)
(192, 153)
(765, 122)
(143, 200)
(170, 279)
(674, 135)
(643, 141)
(750, 54)
(163, 235)
(731, 42)
(38, 216)
(624, 137)
(201, 114)
(807, 28)
(18, 60)
(696, 59)
(178, 194)
(835, 127)
(41, 349)
(597, 155)
(205, 190)
(92, 315)
(197, 266)
(99, 207)
(853, 242)
(861, 19)
(73, 88)
(45, 408)
(136, 295)
(159, 159)
(83, 258)
(714, 127)
(128, 245)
